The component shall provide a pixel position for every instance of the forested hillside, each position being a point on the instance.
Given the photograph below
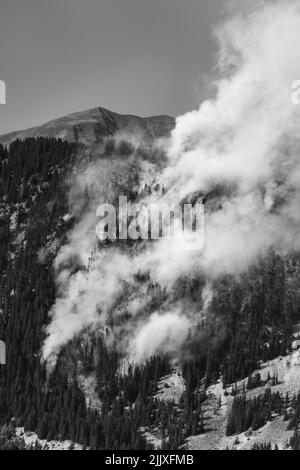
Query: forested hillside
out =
(249, 321)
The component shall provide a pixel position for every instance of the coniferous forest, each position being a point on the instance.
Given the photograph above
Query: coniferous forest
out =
(250, 322)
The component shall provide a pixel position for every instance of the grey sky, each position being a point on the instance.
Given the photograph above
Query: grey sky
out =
(131, 56)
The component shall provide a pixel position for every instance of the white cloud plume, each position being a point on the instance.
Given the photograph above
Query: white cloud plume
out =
(242, 150)
(160, 334)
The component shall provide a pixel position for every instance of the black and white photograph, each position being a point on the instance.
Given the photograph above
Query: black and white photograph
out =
(149, 228)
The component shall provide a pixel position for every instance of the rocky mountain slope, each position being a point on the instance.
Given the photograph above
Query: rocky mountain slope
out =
(90, 126)
(276, 431)
(279, 377)
(236, 382)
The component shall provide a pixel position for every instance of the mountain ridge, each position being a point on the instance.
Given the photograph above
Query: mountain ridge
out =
(90, 126)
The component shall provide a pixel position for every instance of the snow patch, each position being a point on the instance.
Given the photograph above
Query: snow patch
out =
(88, 384)
(30, 439)
(171, 387)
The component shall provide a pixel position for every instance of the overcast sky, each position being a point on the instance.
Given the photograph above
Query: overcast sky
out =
(143, 57)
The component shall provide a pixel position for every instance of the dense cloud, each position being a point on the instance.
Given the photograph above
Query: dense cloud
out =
(240, 151)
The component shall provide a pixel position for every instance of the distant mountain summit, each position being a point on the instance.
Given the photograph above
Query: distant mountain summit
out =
(90, 126)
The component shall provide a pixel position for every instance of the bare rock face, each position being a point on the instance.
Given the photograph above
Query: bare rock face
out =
(89, 127)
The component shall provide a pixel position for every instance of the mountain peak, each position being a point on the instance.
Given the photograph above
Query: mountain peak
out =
(93, 124)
